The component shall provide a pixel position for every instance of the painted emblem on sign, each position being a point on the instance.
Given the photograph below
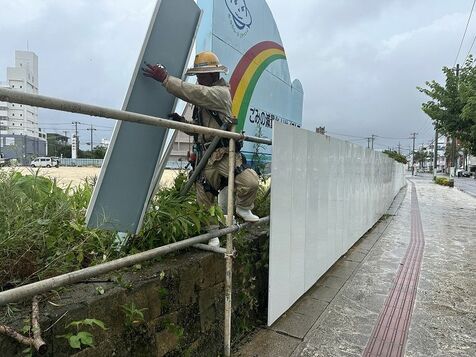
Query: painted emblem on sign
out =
(240, 15)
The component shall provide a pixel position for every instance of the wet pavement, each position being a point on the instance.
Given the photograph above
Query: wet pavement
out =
(466, 184)
(407, 288)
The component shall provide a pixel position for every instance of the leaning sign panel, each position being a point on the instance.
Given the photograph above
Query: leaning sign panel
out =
(130, 170)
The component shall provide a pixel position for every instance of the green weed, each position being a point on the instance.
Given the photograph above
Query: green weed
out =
(133, 314)
(42, 230)
(82, 338)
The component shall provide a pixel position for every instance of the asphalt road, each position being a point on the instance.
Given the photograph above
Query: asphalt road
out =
(466, 184)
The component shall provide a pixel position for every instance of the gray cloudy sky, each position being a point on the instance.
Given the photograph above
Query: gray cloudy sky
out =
(359, 61)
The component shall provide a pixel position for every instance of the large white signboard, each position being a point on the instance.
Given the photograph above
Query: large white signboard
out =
(326, 194)
(246, 39)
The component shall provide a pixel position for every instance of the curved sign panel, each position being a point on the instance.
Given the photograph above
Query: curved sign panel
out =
(246, 39)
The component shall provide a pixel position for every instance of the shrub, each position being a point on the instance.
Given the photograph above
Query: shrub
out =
(42, 230)
(396, 156)
(444, 181)
(172, 217)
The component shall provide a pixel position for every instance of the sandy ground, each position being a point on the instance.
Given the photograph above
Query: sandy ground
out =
(77, 175)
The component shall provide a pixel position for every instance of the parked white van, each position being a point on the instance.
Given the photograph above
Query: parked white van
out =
(45, 162)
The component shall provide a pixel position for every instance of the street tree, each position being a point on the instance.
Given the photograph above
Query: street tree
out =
(396, 156)
(452, 106)
(420, 157)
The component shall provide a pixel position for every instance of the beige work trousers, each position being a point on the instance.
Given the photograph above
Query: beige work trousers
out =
(246, 183)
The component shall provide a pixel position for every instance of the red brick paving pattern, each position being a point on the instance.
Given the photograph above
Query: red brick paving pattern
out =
(390, 333)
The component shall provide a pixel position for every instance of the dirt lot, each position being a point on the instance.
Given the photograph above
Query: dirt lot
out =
(77, 175)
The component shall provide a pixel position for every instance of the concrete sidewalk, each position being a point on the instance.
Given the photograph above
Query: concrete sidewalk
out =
(406, 288)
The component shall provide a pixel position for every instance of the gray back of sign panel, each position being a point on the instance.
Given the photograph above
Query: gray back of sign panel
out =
(128, 175)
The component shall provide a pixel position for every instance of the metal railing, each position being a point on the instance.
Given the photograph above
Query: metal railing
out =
(12, 295)
(12, 96)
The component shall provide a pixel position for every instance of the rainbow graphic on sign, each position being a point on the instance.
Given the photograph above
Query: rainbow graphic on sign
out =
(245, 37)
(247, 73)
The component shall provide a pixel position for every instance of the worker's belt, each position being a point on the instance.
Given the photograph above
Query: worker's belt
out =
(223, 143)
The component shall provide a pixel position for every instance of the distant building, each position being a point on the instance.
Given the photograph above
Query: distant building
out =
(4, 115)
(20, 135)
(23, 119)
(57, 144)
(427, 165)
(182, 145)
(105, 143)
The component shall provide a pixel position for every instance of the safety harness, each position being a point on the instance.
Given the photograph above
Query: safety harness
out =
(200, 148)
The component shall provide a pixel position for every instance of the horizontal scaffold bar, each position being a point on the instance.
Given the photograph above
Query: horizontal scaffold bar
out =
(25, 291)
(35, 100)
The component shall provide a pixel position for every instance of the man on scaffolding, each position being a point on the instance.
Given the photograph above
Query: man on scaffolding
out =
(212, 108)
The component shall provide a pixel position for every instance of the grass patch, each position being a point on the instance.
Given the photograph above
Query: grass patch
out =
(43, 232)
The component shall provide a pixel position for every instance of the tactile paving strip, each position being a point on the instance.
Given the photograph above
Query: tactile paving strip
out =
(390, 333)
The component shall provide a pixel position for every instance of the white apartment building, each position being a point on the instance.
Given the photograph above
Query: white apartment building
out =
(23, 119)
(20, 135)
(3, 114)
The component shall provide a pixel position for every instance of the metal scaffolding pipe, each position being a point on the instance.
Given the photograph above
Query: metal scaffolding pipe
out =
(202, 163)
(35, 100)
(210, 248)
(42, 286)
(229, 246)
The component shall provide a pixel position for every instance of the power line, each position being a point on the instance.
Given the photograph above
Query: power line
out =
(95, 125)
(347, 135)
(391, 138)
(355, 140)
(464, 34)
(470, 48)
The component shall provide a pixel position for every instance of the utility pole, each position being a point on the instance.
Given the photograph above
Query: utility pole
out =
(91, 130)
(413, 136)
(373, 136)
(453, 144)
(368, 143)
(435, 152)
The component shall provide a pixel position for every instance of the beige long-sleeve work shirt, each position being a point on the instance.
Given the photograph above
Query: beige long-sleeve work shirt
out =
(216, 98)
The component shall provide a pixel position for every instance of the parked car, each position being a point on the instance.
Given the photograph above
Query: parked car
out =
(45, 162)
(463, 173)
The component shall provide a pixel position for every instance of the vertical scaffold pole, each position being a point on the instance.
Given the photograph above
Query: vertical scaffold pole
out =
(229, 246)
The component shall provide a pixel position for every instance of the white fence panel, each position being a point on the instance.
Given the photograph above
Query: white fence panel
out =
(326, 194)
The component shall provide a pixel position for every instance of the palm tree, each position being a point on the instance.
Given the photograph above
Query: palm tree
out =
(420, 157)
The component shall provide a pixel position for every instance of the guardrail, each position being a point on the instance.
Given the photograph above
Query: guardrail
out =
(35, 100)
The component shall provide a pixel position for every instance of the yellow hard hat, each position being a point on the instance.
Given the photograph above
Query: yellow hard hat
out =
(206, 62)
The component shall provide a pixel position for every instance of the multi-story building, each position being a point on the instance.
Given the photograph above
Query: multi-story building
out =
(20, 135)
(3, 122)
(23, 77)
(182, 145)
(427, 165)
